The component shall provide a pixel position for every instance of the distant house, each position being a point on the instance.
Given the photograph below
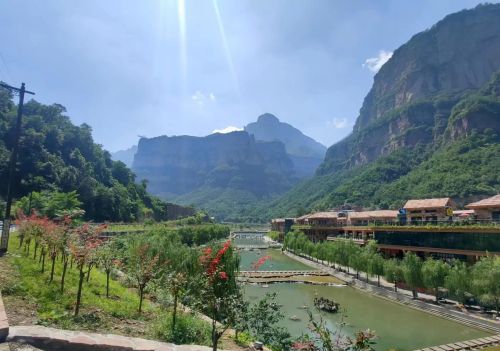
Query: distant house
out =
(282, 226)
(323, 219)
(462, 215)
(487, 209)
(369, 217)
(429, 210)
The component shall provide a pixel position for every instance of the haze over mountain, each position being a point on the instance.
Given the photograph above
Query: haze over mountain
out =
(305, 152)
(224, 173)
(126, 156)
(429, 126)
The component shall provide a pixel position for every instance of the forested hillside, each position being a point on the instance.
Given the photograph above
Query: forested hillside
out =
(56, 155)
(429, 127)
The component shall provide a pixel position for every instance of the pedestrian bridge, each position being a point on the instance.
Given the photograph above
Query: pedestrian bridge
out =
(274, 274)
(252, 235)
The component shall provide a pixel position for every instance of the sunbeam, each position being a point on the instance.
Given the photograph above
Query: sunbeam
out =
(181, 11)
(227, 52)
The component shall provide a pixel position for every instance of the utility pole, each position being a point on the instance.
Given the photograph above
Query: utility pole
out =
(4, 240)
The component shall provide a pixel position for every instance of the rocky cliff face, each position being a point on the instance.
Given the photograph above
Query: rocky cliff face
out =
(305, 152)
(183, 164)
(415, 92)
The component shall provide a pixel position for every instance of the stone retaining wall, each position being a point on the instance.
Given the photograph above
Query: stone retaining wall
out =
(61, 340)
(4, 323)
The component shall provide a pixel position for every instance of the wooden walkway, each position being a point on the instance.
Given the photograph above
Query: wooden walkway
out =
(474, 344)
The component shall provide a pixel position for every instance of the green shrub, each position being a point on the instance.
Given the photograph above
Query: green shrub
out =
(189, 329)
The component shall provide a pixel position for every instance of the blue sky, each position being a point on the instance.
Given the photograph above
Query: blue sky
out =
(175, 67)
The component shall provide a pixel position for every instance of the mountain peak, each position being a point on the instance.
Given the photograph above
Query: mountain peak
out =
(268, 118)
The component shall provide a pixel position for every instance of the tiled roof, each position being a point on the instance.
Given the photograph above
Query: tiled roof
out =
(373, 214)
(427, 203)
(323, 215)
(278, 220)
(303, 217)
(493, 201)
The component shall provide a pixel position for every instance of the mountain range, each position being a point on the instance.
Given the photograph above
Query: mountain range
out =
(429, 126)
(227, 174)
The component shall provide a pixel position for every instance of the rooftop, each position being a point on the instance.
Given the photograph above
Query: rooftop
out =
(427, 203)
(323, 215)
(493, 201)
(373, 214)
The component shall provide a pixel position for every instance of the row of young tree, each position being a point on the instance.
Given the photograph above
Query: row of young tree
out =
(159, 264)
(478, 283)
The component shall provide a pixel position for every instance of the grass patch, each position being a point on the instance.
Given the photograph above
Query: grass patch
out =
(117, 314)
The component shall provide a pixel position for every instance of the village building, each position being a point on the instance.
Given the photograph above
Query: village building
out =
(364, 218)
(487, 209)
(429, 210)
(395, 231)
(282, 226)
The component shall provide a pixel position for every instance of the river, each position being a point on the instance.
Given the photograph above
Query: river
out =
(397, 327)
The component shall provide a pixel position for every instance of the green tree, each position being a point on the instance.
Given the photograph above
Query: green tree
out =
(486, 281)
(263, 318)
(83, 243)
(393, 272)
(142, 264)
(458, 281)
(376, 266)
(107, 259)
(434, 274)
(412, 272)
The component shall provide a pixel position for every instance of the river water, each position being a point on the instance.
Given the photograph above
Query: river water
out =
(397, 327)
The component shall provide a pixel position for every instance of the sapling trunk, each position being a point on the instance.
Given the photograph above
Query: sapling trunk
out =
(52, 268)
(43, 254)
(79, 293)
(88, 274)
(107, 282)
(65, 266)
(141, 296)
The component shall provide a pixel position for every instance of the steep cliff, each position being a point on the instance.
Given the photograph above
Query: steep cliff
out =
(429, 126)
(214, 172)
(305, 152)
(414, 93)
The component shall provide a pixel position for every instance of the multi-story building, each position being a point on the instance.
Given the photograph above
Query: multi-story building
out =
(429, 210)
(444, 233)
(487, 209)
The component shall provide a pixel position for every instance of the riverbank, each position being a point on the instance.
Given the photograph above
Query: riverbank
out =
(404, 297)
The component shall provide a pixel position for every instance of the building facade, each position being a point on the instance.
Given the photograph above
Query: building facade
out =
(424, 226)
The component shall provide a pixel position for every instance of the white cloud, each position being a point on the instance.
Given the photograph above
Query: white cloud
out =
(375, 63)
(228, 129)
(201, 99)
(338, 123)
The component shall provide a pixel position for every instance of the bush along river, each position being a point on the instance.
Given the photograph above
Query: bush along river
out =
(397, 327)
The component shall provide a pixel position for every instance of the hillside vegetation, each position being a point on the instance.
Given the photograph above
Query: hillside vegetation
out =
(56, 155)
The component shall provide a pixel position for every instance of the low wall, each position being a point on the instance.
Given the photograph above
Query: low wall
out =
(4, 323)
(62, 340)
